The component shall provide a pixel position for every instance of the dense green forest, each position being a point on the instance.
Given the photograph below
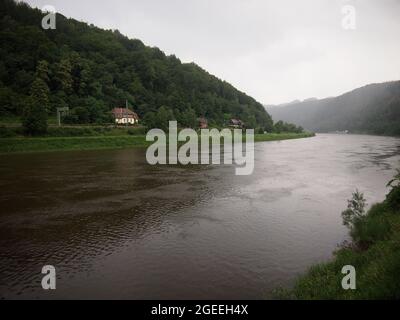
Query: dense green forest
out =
(91, 71)
(373, 109)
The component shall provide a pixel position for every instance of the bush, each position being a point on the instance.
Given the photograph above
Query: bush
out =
(7, 132)
(137, 131)
(370, 229)
(70, 132)
(393, 198)
(34, 120)
(355, 210)
(260, 130)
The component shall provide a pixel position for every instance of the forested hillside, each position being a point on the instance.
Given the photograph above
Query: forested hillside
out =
(373, 109)
(91, 71)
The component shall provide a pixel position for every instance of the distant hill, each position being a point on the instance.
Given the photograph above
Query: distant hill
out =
(373, 109)
(91, 71)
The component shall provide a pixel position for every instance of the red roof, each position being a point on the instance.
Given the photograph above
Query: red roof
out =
(236, 122)
(124, 113)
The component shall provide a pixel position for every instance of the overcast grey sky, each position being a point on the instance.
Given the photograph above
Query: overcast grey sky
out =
(275, 51)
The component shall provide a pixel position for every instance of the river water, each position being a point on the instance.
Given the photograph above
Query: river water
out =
(115, 227)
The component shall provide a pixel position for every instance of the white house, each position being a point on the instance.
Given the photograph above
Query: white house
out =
(125, 116)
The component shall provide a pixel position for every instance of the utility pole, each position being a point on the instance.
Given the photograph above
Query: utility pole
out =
(61, 111)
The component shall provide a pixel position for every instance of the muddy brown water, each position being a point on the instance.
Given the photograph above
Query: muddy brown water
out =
(116, 227)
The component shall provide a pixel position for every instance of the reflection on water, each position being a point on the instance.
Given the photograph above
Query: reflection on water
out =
(115, 227)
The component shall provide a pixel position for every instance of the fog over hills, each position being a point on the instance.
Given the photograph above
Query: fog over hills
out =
(374, 108)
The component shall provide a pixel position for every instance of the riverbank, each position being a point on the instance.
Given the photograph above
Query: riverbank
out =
(31, 145)
(374, 253)
(282, 136)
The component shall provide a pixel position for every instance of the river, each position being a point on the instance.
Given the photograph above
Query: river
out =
(116, 227)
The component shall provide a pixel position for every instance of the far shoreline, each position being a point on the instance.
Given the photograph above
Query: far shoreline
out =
(31, 145)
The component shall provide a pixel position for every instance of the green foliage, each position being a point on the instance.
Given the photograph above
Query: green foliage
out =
(163, 116)
(355, 210)
(63, 76)
(34, 119)
(42, 71)
(281, 136)
(375, 254)
(11, 102)
(97, 70)
(369, 230)
(189, 119)
(7, 132)
(281, 126)
(91, 137)
(137, 131)
(26, 145)
(393, 198)
(159, 119)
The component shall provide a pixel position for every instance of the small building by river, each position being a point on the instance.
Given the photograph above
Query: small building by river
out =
(203, 124)
(125, 116)
(236, 124)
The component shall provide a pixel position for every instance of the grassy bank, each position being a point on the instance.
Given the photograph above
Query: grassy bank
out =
(281, 136)
(29, 145)
(26, 145)
(374, 253)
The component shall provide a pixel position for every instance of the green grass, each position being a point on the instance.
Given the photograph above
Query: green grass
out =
(281, 136)
(41, 144)
(10, 121)
(28, 145)
(375, 256)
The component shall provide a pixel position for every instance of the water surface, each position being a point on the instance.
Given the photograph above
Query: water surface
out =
(115, 227)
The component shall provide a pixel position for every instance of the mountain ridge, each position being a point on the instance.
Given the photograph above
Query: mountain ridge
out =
(373, 108)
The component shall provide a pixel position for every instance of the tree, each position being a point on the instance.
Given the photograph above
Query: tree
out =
(34, 120)
(251, 122)
(393, 197)
(355, 210)
(42, 71)
(63, 76)
(40, 93)
(82, 114)
(189, 118)
(163, 116)
(149, 120)
(10, 102)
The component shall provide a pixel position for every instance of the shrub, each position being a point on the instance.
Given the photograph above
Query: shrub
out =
(34, 120)
(7, 132)
(70, 132)
(393, 197)
(260, 130)
(137, 131)
(355, 210)
(370, 229)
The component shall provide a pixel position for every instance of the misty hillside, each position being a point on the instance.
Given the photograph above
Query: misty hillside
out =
(91, 71)
(373, 109)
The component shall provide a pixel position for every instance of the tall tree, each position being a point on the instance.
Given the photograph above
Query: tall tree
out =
(63, 76)
(42, 71)
(189, 118)
(34, 119)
